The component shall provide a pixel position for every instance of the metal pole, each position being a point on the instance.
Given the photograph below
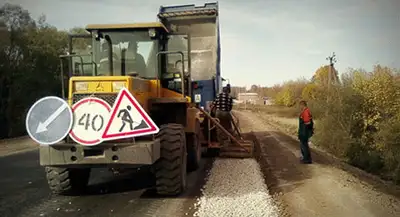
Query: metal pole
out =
(332, 61)
(329, 78)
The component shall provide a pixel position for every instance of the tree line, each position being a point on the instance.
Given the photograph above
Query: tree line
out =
(29, 65)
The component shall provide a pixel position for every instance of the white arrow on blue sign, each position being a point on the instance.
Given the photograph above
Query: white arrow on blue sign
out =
(49, 120)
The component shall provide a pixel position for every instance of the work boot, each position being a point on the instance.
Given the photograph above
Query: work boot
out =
(305, 161)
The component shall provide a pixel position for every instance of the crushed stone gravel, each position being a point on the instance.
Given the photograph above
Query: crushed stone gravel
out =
(235, 187)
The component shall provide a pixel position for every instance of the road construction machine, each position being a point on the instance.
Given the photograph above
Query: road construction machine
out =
(171, 68)
(201, 25)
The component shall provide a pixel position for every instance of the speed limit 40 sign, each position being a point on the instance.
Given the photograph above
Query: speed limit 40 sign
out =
(90, 118)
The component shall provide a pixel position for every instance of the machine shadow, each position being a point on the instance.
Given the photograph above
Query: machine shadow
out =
(285, 167)
(281, 168)
(130, 181)
(144, 180)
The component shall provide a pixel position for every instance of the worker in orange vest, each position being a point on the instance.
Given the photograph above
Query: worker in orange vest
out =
(305, 132)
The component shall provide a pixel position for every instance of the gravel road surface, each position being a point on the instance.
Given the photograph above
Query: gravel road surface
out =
(236, 188)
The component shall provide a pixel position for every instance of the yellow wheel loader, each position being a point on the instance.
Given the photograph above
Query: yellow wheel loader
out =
(153, 62)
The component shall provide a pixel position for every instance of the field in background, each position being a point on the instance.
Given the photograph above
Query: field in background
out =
(276, 110)
(283, 118)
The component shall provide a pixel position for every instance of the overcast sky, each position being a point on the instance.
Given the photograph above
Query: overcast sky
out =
(264, 42)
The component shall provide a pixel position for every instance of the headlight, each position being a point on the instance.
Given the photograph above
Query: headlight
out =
(117, 86)
(81, 86)
(152, 33)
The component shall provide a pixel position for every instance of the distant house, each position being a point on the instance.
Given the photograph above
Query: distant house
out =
(249, 98)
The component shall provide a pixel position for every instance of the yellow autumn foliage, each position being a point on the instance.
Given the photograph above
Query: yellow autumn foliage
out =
(285, 97)
(321, 76)
(290, 92)
(309, 92)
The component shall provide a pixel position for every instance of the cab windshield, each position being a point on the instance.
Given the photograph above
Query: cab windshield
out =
(134, 53)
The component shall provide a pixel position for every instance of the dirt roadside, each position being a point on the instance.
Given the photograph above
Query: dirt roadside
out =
(16, 145)
(321, 189)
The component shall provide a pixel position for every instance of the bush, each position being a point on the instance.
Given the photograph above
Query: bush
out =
(388, 138)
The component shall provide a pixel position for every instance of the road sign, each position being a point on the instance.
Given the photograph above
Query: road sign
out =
(90, 117)
(128, 119)
(197, 98)
(49, 120)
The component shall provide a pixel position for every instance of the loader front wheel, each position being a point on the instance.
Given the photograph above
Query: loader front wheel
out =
(65, 181)
(194, 149)
(171, 176)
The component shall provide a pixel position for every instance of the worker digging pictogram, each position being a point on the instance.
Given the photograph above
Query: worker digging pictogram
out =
(128, 119)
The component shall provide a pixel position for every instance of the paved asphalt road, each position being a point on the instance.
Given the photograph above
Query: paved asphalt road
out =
(24, 192)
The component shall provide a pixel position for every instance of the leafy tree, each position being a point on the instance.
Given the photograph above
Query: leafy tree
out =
(321, 76)
(254, 88)
(309, 92)
(29, 65)
(80, 45)
(285, 97)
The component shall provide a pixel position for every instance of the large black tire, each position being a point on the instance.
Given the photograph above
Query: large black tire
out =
(171, 177)
(67, 181)
(194, 149)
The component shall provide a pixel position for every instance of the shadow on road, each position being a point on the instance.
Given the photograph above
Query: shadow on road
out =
(129, 194)
(130, 181)
(321, 157)
(279, 159)
(284, 172)
(143, 179)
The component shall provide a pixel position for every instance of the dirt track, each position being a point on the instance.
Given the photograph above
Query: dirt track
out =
(320, 189)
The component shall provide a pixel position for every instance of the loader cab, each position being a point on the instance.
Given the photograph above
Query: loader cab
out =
(126, 49)
(143, 50)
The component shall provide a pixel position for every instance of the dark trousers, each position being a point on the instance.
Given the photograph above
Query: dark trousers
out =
(225, 119)
(305, 150)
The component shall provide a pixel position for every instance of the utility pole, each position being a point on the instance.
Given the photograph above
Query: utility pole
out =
(332, 60)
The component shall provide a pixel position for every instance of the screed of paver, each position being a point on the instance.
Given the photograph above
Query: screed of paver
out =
(320, 189)
(235, 187)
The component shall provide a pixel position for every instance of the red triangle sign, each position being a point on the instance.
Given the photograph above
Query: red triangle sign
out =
(128, 119)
